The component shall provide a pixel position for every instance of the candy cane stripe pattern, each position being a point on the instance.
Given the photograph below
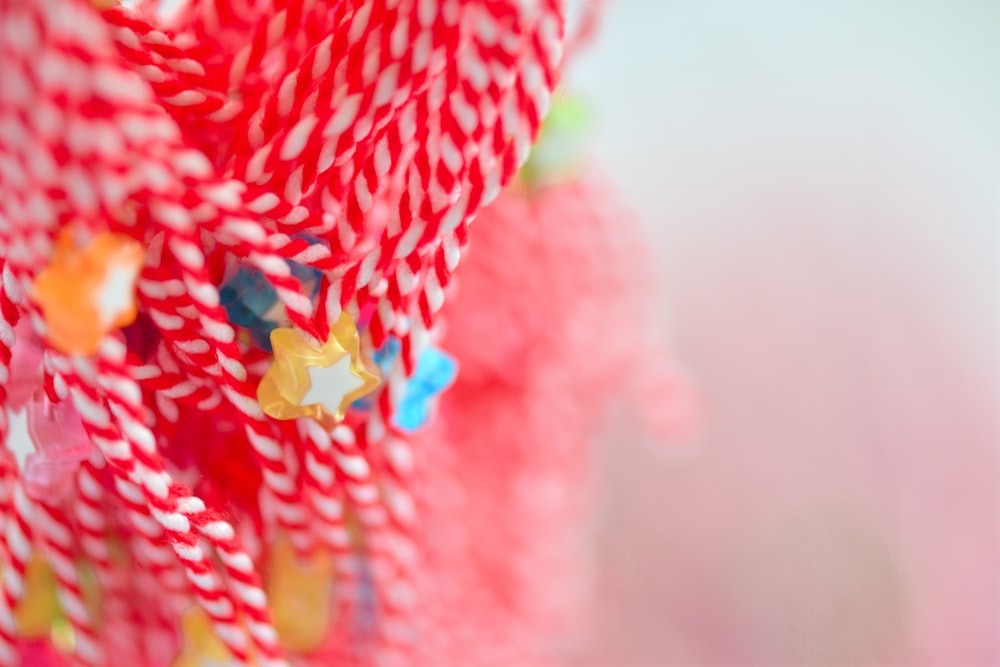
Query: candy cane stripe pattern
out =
(178, 180)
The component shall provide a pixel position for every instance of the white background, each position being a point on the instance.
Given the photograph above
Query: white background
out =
(822, 182)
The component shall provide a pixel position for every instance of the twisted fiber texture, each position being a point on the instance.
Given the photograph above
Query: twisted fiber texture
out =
(14, 533)
(13, 560)
(94, 523)
(214, 135)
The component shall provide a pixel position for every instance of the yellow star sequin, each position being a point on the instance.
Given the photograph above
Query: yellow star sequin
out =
(38, 608)
(321, 382)
(38, 614)
(87, 291)
(201, 647)
(300, 592)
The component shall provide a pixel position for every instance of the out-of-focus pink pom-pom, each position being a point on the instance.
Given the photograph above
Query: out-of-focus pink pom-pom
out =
(554, 325)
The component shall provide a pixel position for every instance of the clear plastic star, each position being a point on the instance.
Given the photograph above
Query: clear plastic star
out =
(306, 380)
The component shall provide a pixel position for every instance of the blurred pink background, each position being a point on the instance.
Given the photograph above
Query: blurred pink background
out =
(822, 182)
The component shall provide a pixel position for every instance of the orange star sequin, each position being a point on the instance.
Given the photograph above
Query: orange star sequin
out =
(85, 292)
(300, 591)
(321, 382)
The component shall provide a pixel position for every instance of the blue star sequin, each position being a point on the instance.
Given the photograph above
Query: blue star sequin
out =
(385, 355)
(435, 372)
(252, 302)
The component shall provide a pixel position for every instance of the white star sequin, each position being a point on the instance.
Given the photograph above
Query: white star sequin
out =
(18, 440)
(330, 384)
(118, 292)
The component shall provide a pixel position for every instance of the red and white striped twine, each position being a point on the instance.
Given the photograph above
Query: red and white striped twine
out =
(213, 136)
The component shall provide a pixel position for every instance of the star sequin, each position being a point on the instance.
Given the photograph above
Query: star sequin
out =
(38, 614)
(252, 303)
(38, 609)
(201, 646)
(321, 382)
(87, 291)
(300, 591)
(435, 372)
